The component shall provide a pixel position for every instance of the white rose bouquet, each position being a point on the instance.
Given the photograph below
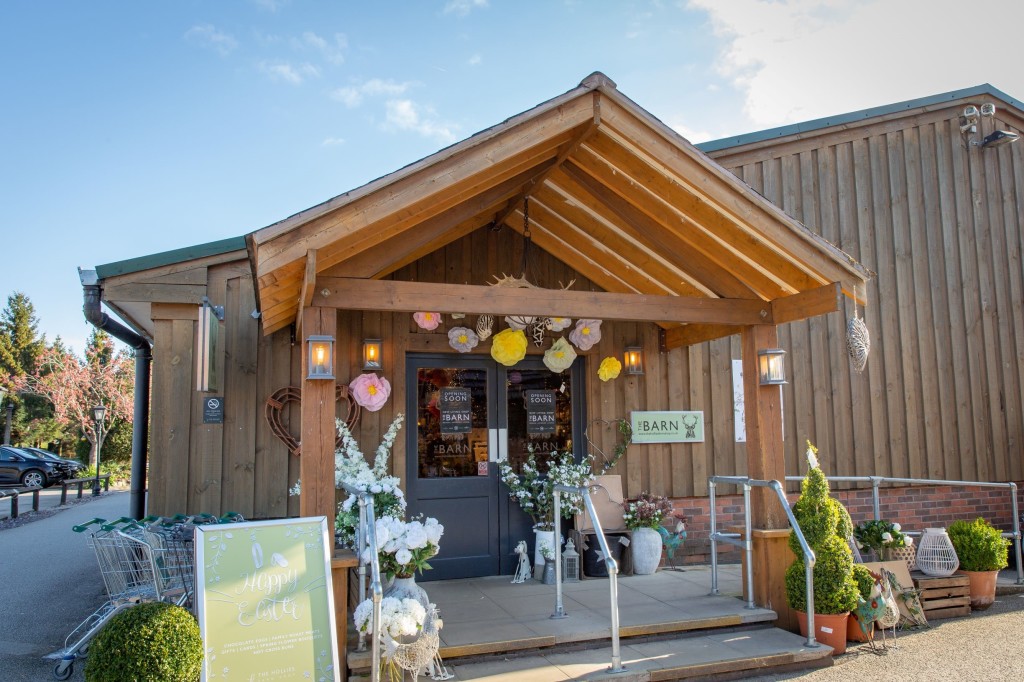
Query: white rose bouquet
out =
(405, 547)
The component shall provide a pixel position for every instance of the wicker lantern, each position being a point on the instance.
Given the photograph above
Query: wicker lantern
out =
(570, 563)
(935, 554)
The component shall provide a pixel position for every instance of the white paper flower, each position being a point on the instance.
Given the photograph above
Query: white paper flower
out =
(557, 324)
(560, 356)
(586, 334)
(462, 339)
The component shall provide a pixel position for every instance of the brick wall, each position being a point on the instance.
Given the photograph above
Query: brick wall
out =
(915, 508)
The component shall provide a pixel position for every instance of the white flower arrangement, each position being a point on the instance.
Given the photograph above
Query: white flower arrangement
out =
(405, 547)
(534, 492)
(399, 617)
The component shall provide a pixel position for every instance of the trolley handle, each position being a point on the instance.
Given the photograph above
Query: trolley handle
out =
(125, 521)
(81, 528)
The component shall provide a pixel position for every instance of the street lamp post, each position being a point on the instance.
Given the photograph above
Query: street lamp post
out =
(10, 415)
(98, 413)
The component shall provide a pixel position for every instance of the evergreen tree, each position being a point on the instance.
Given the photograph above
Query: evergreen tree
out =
(20, 341)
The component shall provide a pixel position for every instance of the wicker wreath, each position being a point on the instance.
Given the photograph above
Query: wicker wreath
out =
(280, 398)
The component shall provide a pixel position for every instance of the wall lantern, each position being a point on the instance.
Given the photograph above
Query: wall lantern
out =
(634, 357)
(372, 354)
(771, 367)
(321, 357)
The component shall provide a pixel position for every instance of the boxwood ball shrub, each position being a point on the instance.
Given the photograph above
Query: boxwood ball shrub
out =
(155, 642)
(978, 545)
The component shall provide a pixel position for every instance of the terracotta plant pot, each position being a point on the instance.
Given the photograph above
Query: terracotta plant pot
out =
(983, 588)
(854, 633)
(829, 629)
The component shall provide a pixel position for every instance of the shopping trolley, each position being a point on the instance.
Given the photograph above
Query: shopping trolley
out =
(139, 561)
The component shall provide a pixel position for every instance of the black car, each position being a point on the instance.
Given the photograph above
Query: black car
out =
(19, 467)
(72, 467)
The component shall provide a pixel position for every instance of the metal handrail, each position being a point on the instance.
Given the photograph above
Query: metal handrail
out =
(609, 562)
(876, 482)
(747, 543)
(367, 537)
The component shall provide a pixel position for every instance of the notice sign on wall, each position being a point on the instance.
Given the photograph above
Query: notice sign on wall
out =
(456, 410)
(540, 412)
(265, 604)
(213, 410)
(667, 427)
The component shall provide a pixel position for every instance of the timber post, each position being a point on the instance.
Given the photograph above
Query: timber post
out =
(316, 465)
(766, 461)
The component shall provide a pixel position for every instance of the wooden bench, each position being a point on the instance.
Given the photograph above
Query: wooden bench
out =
(80, 482)
(943, 597)
(18, 492)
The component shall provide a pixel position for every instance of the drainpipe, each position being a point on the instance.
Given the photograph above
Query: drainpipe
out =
(143, 361)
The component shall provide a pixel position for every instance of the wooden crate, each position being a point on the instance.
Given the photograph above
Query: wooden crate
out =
(943, 597)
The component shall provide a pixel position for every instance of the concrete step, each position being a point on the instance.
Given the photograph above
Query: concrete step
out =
(718, 654)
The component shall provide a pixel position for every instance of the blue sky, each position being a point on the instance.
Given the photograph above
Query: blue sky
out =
(130, 128)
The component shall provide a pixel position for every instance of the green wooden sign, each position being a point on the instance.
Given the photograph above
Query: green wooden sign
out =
(667, 427)
(265, 603)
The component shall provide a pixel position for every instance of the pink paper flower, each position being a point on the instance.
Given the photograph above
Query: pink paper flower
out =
(370, 391)
(586, 334)
(427, 320)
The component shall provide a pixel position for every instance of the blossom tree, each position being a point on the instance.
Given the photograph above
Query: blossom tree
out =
(75, 386)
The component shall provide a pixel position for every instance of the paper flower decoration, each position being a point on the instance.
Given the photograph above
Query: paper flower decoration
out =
(557, 324)
(427, 320)
(462, 339)
(559, 357)
(586, 334)
(509, 346)
(609, 369)
(370, 391)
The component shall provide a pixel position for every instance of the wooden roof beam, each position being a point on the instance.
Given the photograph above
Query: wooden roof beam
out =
(397, 296)
(582, 136)
(306, 292)
(692, 334)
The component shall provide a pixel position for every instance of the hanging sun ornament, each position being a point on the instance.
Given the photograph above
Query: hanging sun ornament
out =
(509, 346)
(537, 330)
(560, 356)
(370, 391)
(462, 339)
(557, 324)
(427, 321)
(858, 341)
(484, 326)
(609, 369)
(586, 334)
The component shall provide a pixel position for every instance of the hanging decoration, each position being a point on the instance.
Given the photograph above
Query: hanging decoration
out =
(462, 339)
(428, 321)
(484, 326)
(557, 324)
(537, 330)
(586, 334)
(275, 405)
(509, 346)
(519, 321)
(609, 369)
(370, 391)
(858, 340)
(560, 356)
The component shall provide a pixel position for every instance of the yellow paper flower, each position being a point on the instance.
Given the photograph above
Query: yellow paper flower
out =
(509, 346)
(559, 357)
(610, 368)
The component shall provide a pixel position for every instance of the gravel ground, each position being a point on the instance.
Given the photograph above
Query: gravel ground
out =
(984, 646)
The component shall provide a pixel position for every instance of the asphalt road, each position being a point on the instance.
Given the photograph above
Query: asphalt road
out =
(50, 584)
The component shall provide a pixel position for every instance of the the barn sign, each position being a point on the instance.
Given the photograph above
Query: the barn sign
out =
(667, 427)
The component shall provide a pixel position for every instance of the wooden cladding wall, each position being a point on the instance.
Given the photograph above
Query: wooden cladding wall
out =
(940, 222)
(238, 465)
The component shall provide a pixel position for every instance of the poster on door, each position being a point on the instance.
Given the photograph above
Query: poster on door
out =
(456, 410)
(540, 412)
(264, 600)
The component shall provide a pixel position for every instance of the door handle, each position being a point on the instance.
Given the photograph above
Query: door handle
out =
(502, 445)
(492, 445)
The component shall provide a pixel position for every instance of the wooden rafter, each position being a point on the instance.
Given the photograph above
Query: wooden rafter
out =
(306, 291)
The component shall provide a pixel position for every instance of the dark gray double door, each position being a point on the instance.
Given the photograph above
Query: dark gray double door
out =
(467, 414)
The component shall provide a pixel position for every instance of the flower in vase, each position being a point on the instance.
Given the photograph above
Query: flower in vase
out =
(370, 391)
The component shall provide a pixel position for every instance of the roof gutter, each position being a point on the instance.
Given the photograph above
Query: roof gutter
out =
(143, 363)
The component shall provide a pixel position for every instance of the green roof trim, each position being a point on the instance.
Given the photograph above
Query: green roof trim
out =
(157, 260)
(853, 117)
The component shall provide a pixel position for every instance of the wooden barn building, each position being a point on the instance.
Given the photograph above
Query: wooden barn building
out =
(699, 256)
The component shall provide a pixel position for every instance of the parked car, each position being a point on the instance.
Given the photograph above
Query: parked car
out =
(19, 467)
(72, 467)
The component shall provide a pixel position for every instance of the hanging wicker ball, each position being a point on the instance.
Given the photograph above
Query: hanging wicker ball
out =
(935, 554)
(858, 343)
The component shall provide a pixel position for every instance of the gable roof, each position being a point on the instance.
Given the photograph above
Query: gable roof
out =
(613, 191)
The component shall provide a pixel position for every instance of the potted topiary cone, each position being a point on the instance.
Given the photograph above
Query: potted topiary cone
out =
(825, 525)
(982, 551)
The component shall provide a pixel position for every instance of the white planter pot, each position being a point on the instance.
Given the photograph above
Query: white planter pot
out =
(646, 549)
(541, 538)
